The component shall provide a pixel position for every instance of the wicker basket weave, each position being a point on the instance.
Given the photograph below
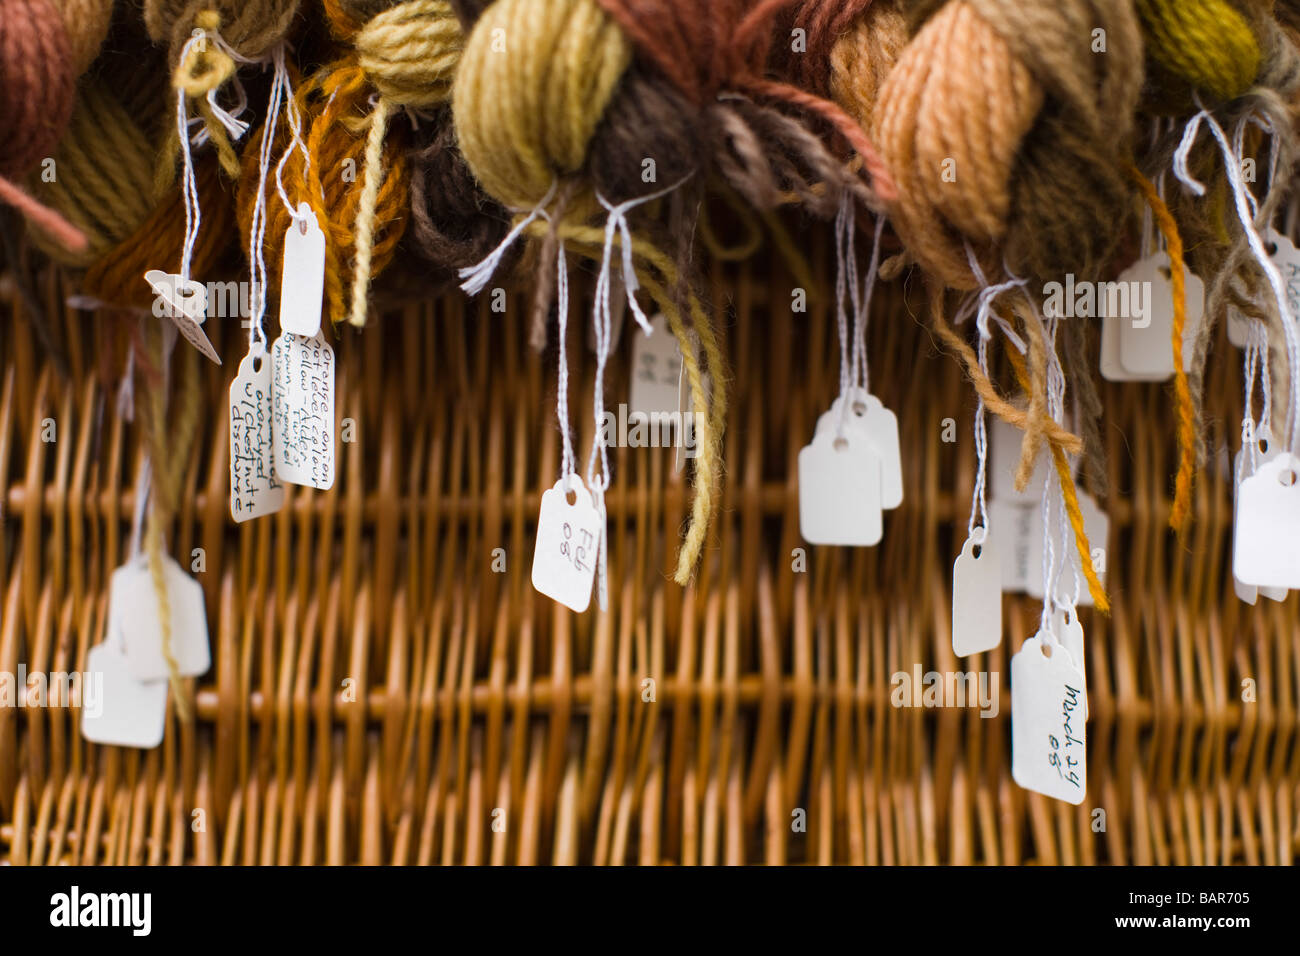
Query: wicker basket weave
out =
(379, 694)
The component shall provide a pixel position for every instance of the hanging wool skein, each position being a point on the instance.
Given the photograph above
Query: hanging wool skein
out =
(530, 125)
(1248, 71)
(401, 56)
(37, 77)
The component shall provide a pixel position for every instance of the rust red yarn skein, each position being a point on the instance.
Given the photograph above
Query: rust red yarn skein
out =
(36, 95)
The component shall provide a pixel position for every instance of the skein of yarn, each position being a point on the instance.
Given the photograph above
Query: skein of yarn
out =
(1004, 125)
(36, 95)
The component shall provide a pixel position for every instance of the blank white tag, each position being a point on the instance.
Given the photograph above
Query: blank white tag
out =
(656, 371)
(839, 490)
(1238, 327)
(302, 424)
(186, 304)
(1267, 534)
(1069, 631)
(568, 545)
(302, 278)
(1048, 737)
(128, 713)
(1145, 349)
(140, 624)
(1266, 450)
(977, 597)
(1017, 525)
(254, 488)
(880, 425)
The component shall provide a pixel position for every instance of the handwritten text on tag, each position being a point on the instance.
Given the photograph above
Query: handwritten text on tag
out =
(302, 391)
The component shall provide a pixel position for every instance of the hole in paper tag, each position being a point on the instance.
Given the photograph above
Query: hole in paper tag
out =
(569, 533)
(839, 490)
(186, 304)
(977, 596)
(1267, 533)
(302, 421)
(129, 713)
(1048, 736)
(302, 279)
(141, 626)
(254, 488)
(869, 415)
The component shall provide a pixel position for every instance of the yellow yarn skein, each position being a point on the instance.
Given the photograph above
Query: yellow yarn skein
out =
(409, 53)
(534, 82)
(1208, 43)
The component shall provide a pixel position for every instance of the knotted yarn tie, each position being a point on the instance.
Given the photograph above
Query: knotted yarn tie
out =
(478, 276)
(206, 64)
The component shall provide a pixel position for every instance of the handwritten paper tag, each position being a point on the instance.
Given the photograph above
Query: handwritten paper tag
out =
(1048, 737)
(302, 279)
(880, 425)
(569, 541)
(254, 489)
(1146, 326)
(1069, 631)
(656, 370)
(302, 421)
(141, 624)
(839, 490)
(186, 304)
(1267, 534)
(977, 596)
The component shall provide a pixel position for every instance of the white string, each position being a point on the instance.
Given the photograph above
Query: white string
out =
(568, 464)
(189, 187)
(863, 310)
(617, 221)
(1232, 164)
(478, 276)
(295, 142)
(257, 231)
(845, 259)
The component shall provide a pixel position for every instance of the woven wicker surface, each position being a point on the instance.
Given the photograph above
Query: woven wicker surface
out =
(379, 694)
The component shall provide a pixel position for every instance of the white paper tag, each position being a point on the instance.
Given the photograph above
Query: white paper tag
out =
(141, 627)
(568, 545)
(302, 278)
(302, 423)
(1069, 631)
(1048, 736)
(977, 596)
(656, 371)
(1265, 450)
(186, 304)
(128, 712)
(868, 414)
(1238, 328)
(1017, 524)
(687, 437)
(254, 488)
(839, 490)
(1267, 533)
(1146, 326)
(1287, 259)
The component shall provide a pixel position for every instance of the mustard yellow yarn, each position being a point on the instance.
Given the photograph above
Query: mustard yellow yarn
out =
(1208, 43)
(534, 82)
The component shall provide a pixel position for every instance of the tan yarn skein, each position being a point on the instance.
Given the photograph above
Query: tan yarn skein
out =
(1004, 129)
